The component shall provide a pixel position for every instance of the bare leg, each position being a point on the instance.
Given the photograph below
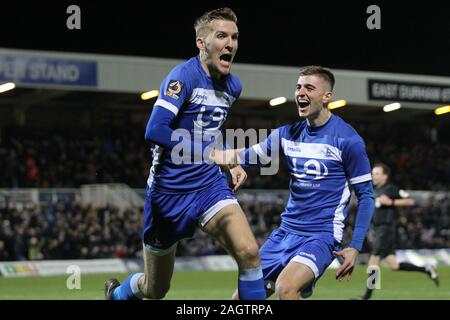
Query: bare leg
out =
(231, 229)
(155, 282)
(392, 262)
(292, 280)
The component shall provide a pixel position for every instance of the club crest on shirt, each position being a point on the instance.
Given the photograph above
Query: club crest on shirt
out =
(174, 88)
(328, 153)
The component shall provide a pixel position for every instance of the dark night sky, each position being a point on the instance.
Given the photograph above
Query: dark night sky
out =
(415, 36)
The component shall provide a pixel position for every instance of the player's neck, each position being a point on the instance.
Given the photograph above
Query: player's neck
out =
(320, 119)
(209, 73)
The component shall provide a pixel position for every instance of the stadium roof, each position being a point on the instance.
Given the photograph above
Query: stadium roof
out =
(119, 80)
(413, 37)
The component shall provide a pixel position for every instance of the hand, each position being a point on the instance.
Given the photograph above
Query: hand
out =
(238, 176)
(350, 255)
(229, 157)
(385, 200)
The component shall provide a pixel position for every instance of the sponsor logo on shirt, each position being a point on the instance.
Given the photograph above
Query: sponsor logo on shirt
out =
(203, 97)
(294, 149)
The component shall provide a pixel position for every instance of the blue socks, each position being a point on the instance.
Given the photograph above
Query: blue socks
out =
(251, 284)
(129, 289)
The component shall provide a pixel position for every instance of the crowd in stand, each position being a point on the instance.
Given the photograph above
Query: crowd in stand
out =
(67, 230)
(47, 158)
(68, 158)
(57, 158)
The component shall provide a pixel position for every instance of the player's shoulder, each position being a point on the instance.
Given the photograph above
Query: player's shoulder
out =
(234, 85)
(345, 130)
(234, 80)
(342, 126)
(186, 71)
(292, 130)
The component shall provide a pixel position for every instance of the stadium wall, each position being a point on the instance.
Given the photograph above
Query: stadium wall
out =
(207, 263)
(36, 196)
(138, 74)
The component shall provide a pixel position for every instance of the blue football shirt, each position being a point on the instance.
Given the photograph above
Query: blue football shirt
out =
(323, 163)
(199, 105)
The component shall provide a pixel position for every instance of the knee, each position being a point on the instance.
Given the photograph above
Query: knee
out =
(284, 291)
(248, 255)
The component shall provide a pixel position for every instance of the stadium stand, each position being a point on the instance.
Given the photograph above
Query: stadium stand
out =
(68, 230)
(55, 136)
(44, 157)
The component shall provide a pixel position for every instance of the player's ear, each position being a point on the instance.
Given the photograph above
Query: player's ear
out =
(201, 44)
(327, 97)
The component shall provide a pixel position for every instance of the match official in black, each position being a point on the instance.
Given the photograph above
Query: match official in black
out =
(387, 198)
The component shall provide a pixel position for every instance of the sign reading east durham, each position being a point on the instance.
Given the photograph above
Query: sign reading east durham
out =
(408, 91)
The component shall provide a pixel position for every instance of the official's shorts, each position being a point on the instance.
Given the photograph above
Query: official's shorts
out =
(170, 217)
(282, 247)
(385, 240)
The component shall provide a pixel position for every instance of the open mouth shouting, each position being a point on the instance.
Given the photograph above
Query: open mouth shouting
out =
(225, 59)
(302, 103)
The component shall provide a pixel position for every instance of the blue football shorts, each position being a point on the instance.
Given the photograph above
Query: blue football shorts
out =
(282, 247)
(170, 217)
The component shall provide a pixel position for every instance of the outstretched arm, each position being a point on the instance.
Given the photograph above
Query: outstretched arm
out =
(364, 193)
(402, 202)
(257, 155)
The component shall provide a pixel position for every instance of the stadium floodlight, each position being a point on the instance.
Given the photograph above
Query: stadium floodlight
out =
(149, 94)
(442, 110)
(392, 107)
(7, 86)
(277, 101)
(337, 104)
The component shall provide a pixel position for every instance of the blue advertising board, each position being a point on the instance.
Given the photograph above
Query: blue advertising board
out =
(42, 70)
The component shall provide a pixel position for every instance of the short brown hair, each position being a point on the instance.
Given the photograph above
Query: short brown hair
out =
(384, 167)
(325, 74)
(201, 23)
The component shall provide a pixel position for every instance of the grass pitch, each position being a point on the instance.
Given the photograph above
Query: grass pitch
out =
(220, 285)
